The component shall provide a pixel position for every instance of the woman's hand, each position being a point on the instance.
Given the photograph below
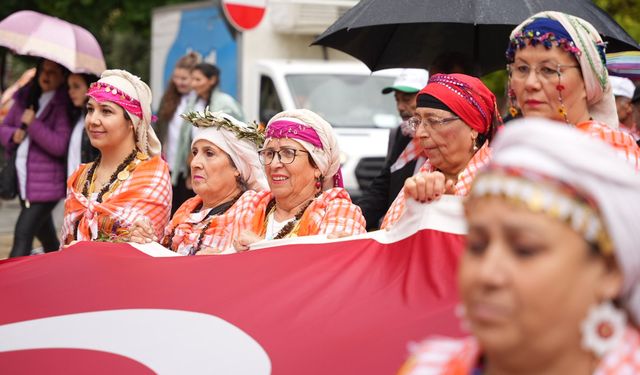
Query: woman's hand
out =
(245, 239)
(339, 234)
(28, 116)
(142, 231)
(70, 244)
(427, 186)
(18, 136)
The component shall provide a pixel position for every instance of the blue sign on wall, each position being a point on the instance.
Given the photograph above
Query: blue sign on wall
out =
(204, 31)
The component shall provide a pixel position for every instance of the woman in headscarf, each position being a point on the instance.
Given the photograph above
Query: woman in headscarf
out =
(302, 164)
(226, 176)
(456, 117)
(557, 69)
(129, 181)
(550, 280)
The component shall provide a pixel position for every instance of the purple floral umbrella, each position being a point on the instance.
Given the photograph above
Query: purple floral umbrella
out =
(35, 34)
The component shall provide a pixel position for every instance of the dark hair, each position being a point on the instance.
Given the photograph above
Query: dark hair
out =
(171, 97)
(35, 91)
(448, 62)
(209, 71)
(76, 112)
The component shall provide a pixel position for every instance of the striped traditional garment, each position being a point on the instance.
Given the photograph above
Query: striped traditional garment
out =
(445, 356)
(332, 211)
(621, 141)
(462, 187)
(145, 193)
(187, 225)
(413, 150)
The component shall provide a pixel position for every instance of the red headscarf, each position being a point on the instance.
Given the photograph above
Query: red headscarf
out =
(466, 96)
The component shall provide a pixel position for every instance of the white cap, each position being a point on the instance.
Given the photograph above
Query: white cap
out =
(622, 86)
(410, 81)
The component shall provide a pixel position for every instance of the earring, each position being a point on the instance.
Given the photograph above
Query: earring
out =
(319, 181)
(513, 109)
(562, 110)
(603, 328)
(474, 144)
(241, 184)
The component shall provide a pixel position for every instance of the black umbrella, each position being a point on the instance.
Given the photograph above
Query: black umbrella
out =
(411, 33)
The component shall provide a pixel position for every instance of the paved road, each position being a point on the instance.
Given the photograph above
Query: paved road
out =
(9, 211)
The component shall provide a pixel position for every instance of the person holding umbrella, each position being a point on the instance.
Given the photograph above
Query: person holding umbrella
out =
(557, 69)
(36, 132)
(129, 182)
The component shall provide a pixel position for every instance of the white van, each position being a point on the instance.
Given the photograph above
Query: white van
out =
(346, 94)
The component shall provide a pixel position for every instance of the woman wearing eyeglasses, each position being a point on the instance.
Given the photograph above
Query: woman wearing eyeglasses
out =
(456, 117)
(557, 69)
(302, 165)
(227, 179)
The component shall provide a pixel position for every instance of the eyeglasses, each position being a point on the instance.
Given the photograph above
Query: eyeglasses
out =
(285, 155)
(415, 122)
(545, 73)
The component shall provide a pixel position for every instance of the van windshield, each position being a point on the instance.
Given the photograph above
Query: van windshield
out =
(346, 100)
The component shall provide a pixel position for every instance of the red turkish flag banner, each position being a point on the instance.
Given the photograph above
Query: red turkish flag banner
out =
(298, 306)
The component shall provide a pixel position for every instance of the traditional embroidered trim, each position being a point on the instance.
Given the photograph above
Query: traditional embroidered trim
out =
(101, 91)
(459, 88)
(542, 194)
(548, 40)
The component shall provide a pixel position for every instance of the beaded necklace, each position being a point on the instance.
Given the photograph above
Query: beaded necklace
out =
(217, 210)
(286, 230)
(119, 174)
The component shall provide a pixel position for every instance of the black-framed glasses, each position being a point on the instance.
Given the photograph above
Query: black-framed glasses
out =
(285, 155)
(545, 72)
(415, 122)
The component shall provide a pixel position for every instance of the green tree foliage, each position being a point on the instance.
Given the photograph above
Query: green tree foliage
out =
(122, 27)
(625, 12)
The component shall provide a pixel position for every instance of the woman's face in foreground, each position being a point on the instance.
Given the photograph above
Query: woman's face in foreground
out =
(528, 280)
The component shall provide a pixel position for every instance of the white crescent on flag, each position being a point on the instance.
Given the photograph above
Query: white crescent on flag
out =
(165, 341)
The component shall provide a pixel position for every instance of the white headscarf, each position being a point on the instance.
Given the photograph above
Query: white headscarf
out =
(147, 140)
(600, 100)
(328, 158)
(242, 152)
(592, 167)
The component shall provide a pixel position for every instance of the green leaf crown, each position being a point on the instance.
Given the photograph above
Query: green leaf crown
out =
(252, 132)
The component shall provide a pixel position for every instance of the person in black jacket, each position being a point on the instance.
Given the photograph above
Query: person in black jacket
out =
(384, 188)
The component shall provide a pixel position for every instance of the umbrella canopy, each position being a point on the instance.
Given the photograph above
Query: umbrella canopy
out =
(411, 33)
(624, 64)
(36, 34)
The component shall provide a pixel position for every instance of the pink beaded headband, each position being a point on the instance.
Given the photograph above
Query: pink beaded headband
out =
(294, 130)
(291, 129)
(101, 92)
